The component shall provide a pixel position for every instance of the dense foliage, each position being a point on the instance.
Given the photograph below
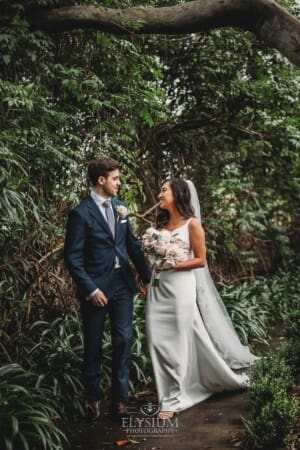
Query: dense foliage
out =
(274, 408)
(218, 108)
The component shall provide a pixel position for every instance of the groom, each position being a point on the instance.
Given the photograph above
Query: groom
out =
(99, 241)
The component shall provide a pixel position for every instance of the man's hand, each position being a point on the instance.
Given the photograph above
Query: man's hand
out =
(142, 287)
(99, 299)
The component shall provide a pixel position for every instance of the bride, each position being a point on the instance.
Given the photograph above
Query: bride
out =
(193, 346)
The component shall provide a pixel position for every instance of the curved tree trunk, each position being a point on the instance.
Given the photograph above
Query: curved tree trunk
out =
(265, 18)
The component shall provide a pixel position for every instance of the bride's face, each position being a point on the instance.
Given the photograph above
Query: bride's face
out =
(166, 197)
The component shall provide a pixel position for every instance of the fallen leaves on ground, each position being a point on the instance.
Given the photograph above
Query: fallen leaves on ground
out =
(122, 442)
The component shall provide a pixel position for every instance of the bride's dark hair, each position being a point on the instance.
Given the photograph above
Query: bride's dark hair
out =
(182, 199)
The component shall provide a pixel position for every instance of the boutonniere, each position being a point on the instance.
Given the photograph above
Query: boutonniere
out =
(122, 211)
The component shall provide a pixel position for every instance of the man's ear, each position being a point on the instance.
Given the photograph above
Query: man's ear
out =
(101, 180)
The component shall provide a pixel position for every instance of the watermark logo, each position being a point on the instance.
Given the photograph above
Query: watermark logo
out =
(149, 409)
(146, 423)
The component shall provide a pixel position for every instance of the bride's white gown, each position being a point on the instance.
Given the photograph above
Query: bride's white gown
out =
(187, 366)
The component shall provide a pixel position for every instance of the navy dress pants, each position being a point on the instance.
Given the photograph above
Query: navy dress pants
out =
(120, 311)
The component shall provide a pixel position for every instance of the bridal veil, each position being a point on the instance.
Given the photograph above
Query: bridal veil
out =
(214, 314)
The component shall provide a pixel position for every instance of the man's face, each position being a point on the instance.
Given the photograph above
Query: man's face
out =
(110, 184)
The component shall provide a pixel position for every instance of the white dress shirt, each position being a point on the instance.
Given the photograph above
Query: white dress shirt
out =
(99, 202)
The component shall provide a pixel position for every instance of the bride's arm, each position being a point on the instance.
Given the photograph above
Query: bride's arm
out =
(197, 239)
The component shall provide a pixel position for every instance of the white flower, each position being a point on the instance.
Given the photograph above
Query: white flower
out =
(176, 253)
(160, 248)
(163, 248)
(151, 231)
(164, 236)
(122, 211)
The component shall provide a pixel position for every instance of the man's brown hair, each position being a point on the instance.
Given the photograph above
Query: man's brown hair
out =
(101, 168)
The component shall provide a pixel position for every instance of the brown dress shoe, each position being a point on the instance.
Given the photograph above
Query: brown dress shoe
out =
(119, 409)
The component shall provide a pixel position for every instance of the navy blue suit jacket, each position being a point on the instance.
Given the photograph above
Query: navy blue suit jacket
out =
(90, 250)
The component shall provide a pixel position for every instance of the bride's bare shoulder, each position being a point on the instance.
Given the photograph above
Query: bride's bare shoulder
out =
(194, 222)
(195, 226)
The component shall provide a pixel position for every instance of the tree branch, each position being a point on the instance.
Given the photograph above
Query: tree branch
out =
(142, 216)
(265, 18)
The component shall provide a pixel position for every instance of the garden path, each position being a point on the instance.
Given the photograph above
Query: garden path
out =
(215, 424)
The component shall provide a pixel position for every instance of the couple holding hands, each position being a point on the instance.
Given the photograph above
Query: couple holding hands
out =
(194, 348)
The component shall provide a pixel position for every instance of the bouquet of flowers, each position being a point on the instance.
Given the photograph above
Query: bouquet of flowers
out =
(164, 249)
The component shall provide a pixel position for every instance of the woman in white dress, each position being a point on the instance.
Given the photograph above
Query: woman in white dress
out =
(191, 359)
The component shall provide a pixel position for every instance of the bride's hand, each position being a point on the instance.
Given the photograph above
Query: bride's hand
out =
(167, 265)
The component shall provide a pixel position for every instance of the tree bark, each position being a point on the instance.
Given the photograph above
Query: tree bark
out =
(265, 18)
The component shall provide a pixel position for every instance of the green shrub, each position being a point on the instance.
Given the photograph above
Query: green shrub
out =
(269, 426)
(256, 306)
(269, 378)
(249, 308)
(284, 292)
(57, 355)
(274, 408)
(290, 350)
(141, 369)
(290, 353)
(293, 323)
(28, 412)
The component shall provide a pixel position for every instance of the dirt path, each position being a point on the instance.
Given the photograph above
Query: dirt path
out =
(214, 424)
(208, 425)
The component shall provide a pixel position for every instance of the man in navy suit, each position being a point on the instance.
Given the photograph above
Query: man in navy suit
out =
(99, 242)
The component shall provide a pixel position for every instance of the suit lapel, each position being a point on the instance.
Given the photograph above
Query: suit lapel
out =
(97, 214)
